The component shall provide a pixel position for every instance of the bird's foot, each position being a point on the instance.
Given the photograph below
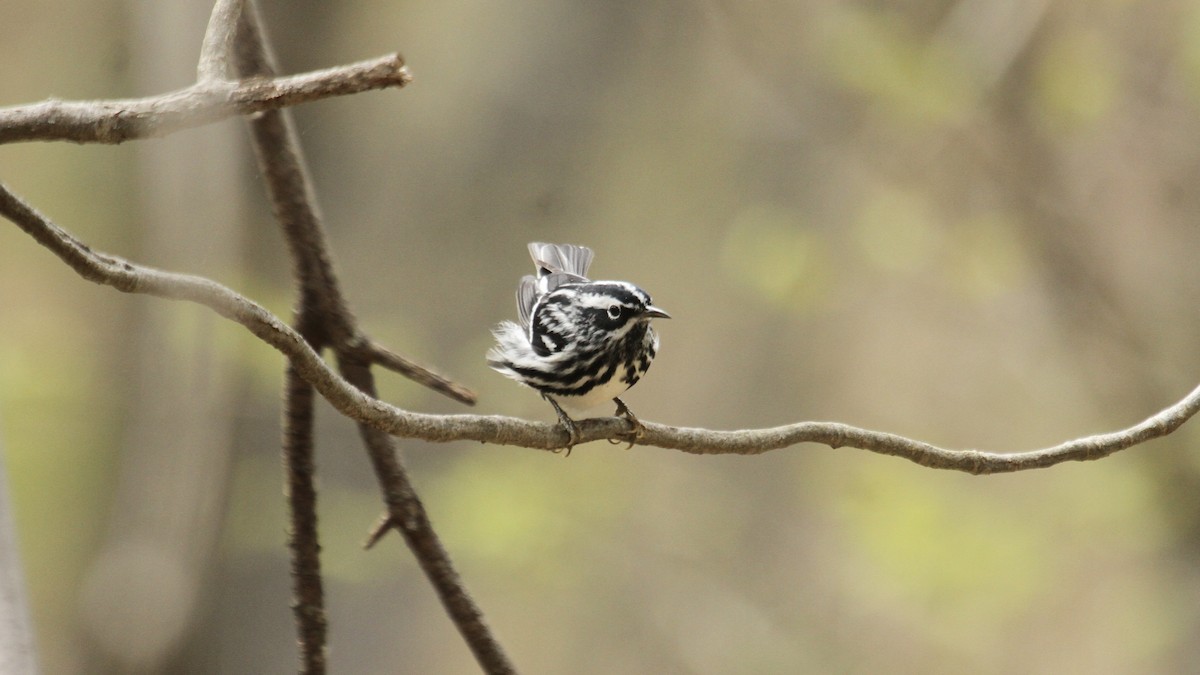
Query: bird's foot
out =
(568, 425)
(636, 430)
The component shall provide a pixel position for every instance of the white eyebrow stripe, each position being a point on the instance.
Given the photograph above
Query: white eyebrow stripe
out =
(597, 300)
(606, 293)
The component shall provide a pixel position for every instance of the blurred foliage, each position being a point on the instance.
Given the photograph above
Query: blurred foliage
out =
(771, 252)
(880, 54)
(969, 222)
(1076, 82)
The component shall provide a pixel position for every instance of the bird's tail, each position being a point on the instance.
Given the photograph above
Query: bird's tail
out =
(561, 259)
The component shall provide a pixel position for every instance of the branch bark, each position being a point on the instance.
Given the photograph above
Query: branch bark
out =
(347, 399)
(303, 540)
(217, 46)
(207, 101)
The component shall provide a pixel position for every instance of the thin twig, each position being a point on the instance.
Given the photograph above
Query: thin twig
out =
(351, 402)
(218, 41)
(117, 121)
(378, 531)
(386, 358)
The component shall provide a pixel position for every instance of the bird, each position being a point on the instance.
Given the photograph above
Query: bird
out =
(579, 342)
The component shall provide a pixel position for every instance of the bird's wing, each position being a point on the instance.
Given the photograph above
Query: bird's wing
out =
(526, 296)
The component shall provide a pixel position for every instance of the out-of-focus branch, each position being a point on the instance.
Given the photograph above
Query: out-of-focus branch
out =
(303, 540)
(386, 358)
(293, 199)
(319, 322)
(325, 320)
(406, 514)
(17, 650)
(207, 101)
(218, 41)
(355, 404)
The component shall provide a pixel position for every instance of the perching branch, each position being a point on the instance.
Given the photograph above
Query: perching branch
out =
(206, 101)
(351, 402)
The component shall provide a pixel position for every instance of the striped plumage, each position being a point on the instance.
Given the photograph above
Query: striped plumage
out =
(579, 342)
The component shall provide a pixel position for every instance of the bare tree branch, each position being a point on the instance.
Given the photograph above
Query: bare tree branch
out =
(117, 121)
(235, 42)
(218, 41)
(303, 540)
(407, 515)
(293, 199)
(319, 319)
(353, 403)
(386, 358)
(324, 319)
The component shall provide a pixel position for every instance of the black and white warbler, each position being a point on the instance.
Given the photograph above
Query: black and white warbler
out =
(580, 342)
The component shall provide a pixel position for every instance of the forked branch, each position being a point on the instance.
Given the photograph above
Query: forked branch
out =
(235, 44)
(130, 278)
(324, 320)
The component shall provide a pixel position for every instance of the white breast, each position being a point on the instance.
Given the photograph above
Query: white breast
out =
(597, 396)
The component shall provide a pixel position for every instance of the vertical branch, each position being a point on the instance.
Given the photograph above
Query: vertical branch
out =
(290, 189)
(218, 41)
(292, 200)
(407, 515)
(325, 320)
(307, 588)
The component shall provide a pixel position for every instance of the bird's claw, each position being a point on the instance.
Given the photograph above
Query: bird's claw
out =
(636, 430)
(568, 426)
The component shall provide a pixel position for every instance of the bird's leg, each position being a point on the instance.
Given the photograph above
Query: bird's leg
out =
(567, 423)
(636, 429)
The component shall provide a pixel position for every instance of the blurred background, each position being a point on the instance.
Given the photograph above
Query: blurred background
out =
(970, 222)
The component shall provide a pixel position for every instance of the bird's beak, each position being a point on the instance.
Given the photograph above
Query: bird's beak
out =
(655, 313)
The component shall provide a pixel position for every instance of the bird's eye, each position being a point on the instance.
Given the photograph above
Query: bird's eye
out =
(614, 311)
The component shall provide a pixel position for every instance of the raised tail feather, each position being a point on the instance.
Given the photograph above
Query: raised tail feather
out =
(557, 264)
(561, 259)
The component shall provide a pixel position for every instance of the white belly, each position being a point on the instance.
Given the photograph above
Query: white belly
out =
(597, 396)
